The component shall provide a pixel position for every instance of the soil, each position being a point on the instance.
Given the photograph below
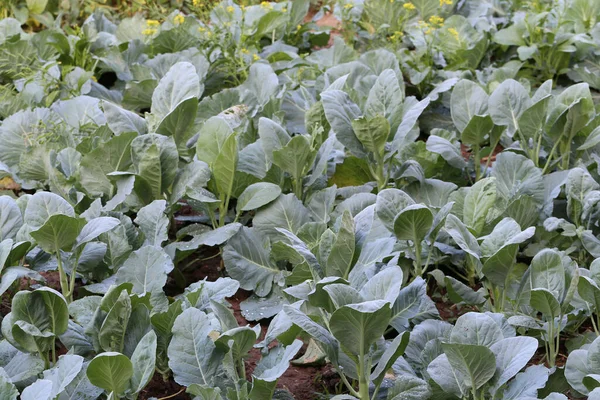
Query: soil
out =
(159, 388)
(327, 21)
(305, 383)
(466, 153)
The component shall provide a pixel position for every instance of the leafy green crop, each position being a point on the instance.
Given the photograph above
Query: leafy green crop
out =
(408, 192)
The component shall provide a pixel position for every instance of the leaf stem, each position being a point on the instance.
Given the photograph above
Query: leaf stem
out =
(64, 281)
(418, 261)
(172, 395)
(550, 157)
(477, 163)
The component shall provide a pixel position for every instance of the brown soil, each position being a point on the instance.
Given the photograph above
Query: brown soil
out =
(327, 21)
(466, 153)
(305, 383)
(159, 388)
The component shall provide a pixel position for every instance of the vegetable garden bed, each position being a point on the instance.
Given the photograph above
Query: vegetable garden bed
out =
(352, 199)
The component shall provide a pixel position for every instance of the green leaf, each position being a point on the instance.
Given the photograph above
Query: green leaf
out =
(543, 300)
(64, 372)
(95, 228)
(111, 335)
(143, 361)
(42, 206)
(576, 368)
(512, 355)
(147, 269)
(527, 383)
(257, 195)
(358, 326)
(261, 85)
(408, 304)
(392, 353)
(341, 111)
(353, 171)
(193, 357)
(39, 390)
(517, 176)
(384, 285)
(225, 165)
(153, 223)
(162, 323)
(477, 329)
(178, 123)
(385, 98)
(285, 212)
(180, 83)
(579, 184)
(270, 22)
(8, 391)
(295, 156)
(239, 340)
(203, 392)
(10, 218)
(37, 317)
(449, 152)
(155, 160)
(59, 232)
(122, 121)
(390, 202)
(468, 99)
(373, 133)
(413, 223)
(211, 139)
(341, 254)
(270, 368)
(114, 155)
(547, 272)
(408, 387)
(458, 292)
(589, 291)
(248, 261)
(36, 6)
(478, 203)
(507, 103)
(192, 176)
(110, 371)
(474, 364)
(477, 129)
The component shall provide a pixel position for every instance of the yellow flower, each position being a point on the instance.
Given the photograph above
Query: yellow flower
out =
(179, 19)
(202, 29)
(266, 5)
(454, 33)
(284, 10)
(428, 31)
(445, 2)
(245, 51)
(409, 6)
(209, 34)
(423, 24)
(230, 9)
(149, 32)
(195, 2)
(255, 57)
(435, 20)
(152, 23)
(348, 6)
(298, 27)
(243, 7)
(396, 36)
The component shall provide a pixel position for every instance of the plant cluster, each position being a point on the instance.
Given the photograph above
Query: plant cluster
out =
(361, 182)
